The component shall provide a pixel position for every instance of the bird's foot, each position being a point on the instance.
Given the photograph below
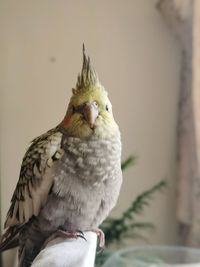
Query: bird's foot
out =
(64, 234)
(101, 237)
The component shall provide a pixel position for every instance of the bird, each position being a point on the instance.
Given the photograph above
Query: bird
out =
(70, 176)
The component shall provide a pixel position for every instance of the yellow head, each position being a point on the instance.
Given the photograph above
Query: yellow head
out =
(89, 111)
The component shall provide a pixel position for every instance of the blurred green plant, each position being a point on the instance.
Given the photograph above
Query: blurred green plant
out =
(116, 230)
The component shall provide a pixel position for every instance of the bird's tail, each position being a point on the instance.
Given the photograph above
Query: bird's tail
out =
(10, 238)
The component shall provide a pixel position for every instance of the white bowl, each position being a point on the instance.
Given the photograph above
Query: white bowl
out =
(155, 256)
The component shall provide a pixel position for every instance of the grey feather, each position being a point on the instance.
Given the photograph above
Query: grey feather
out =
(88, 76)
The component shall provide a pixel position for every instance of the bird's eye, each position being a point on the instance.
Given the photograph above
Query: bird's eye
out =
(107, 108)
(95, 103)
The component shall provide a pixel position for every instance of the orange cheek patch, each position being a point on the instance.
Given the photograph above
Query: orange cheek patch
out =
(66, 120)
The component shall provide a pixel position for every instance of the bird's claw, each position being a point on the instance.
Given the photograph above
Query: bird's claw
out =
(79, 231)
(81, 234)
(71, 234)
(101, 237)
(65, 234)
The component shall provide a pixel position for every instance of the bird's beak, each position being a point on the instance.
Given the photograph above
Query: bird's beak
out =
(90, 113)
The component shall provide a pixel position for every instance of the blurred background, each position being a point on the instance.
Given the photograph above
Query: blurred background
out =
(139, 61)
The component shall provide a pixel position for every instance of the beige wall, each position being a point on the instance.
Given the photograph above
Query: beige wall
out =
(138, 62)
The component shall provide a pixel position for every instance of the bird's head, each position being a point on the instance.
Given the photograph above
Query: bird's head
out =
(89, 111)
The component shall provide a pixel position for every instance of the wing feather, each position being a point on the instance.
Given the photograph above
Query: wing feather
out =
(36, 178)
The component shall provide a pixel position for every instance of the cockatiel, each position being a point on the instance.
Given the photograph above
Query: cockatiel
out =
(71, 176)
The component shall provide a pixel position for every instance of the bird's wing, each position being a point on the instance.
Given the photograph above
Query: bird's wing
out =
(36, 178)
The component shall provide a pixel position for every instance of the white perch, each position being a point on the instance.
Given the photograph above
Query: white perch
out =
(68, 252)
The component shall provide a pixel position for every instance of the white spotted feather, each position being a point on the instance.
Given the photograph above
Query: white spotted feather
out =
(35, 178)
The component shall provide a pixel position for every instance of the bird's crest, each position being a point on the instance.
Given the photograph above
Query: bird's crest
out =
(88, 76)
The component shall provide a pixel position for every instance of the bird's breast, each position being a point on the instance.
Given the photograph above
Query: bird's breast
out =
(90, 161)
(82, 180)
